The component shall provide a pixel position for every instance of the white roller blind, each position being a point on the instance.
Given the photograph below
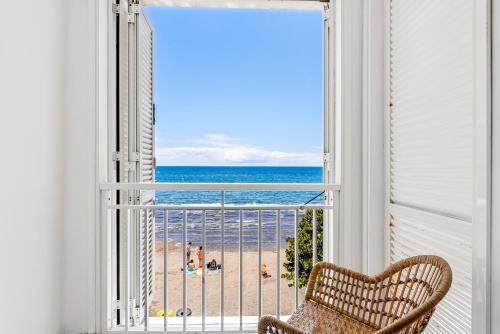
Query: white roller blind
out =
(430, 155)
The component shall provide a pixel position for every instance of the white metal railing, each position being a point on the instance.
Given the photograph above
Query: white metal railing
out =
(109, 205)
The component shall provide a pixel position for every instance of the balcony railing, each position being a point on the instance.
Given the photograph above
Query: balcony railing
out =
(123, 313)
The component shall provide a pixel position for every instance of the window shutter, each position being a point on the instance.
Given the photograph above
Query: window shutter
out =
(136, 158)
(145, 141)
(121, 156)
(430, 144)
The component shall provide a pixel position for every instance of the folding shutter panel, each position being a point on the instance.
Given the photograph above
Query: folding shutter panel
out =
(430, 138)
(136, 158)
(145, 140)
(122, 157)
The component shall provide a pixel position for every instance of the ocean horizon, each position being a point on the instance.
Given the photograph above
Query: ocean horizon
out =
(233, 174)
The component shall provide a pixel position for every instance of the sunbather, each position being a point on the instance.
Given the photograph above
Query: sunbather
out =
(264, 272)
(212, 265)
(191, 264)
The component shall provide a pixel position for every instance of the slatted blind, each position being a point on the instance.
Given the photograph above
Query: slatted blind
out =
(136, 158)
(146, 168)
(430, 125)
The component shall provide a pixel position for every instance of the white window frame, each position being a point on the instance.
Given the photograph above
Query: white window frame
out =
(108, 120)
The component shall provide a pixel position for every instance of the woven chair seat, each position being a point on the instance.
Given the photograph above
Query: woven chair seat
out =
(312, 318)
(400, 300)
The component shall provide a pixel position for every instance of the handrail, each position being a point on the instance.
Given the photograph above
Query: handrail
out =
(229, 207)
(222, 186)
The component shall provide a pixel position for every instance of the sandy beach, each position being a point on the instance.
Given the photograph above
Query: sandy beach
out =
(251, 272)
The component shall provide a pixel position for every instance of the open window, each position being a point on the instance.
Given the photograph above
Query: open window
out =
(134, 148)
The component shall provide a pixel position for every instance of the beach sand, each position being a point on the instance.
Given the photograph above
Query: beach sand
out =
(251, 272)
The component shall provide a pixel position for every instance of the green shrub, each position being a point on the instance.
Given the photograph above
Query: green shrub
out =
(305, 233)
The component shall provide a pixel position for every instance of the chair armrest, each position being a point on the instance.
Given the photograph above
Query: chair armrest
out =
(269, 324)
(416, 319)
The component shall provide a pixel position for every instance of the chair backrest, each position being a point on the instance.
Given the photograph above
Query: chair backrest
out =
(402, 297)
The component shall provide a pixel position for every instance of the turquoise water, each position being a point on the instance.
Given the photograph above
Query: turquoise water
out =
(231, 219)
(237, 175)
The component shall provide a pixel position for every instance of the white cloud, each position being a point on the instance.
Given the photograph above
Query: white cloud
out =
(220, 150)
(216, 139)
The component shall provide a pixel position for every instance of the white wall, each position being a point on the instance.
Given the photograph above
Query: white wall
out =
(79, 260)
(85, 95)
(31, 142)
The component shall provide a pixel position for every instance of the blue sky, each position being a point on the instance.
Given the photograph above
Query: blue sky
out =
(238, 86)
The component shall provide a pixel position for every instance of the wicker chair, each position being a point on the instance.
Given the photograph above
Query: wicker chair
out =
(399, 300)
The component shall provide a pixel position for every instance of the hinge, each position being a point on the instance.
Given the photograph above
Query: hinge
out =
(326, 14)
(115, 8)
(117, 156)
(326, 161)
(132, 199)
(326, 158)
(136, 314)
(116, 305)
(130, 166)
(134, 157)
(131, 18)
(135, 8)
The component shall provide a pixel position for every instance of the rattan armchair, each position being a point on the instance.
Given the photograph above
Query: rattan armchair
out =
(399, 300)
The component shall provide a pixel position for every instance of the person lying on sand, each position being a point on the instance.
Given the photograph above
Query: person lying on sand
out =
(264, 272)
(191, 264)
(212, 265)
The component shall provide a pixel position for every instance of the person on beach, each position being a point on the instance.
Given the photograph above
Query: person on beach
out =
(212, 265)
(191, 264)
(189, 251)
(264, 272)
(200, 256)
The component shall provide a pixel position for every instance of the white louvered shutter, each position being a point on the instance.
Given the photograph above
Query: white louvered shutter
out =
(122, 166)
(136, 158)
(430, 197)
(145, 142)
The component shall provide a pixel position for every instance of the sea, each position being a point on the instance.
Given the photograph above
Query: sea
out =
(207, 174)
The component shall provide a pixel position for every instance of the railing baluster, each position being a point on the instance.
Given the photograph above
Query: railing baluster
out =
(296, 258)
(165, 269)
(240, 240)
(184, 268)
(259, 243)
(222, 262)
(278, 250)
(203, 270)
(315, 237)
